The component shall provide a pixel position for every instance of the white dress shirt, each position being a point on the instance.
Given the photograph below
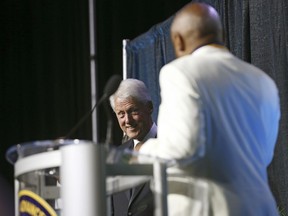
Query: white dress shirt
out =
(151, 134)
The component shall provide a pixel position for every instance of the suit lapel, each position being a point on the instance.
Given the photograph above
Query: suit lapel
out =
(130, 145)
(128, 194)
(134, 192)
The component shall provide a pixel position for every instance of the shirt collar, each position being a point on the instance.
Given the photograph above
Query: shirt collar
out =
(209, 48)
(151, 134)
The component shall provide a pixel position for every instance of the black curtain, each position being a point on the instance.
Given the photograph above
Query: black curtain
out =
(45, 74)
(255, 31)
(45, 64)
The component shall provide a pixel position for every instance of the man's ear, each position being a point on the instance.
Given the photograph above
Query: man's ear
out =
(179, 44)
(150, 106)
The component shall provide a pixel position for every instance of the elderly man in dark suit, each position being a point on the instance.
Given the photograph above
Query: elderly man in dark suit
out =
(133, 108)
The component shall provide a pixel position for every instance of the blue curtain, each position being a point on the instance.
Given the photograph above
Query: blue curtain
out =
(255, 31)
(146, 55)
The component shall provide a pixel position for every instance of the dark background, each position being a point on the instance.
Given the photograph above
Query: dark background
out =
(45, 63)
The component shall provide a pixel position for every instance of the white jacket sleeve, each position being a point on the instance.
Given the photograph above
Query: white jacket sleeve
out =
(180, 121)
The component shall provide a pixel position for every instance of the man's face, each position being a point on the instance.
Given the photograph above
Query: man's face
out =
(134, 118)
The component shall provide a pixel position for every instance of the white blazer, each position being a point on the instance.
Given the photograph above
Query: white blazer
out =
(225, 112)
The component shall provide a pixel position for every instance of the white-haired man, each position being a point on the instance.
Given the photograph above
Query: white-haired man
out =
(133, 108)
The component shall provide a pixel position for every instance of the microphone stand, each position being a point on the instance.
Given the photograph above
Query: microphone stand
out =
(109, 132)
(110, 88)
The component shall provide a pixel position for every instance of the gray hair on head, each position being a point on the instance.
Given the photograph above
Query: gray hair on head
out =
(131, 88)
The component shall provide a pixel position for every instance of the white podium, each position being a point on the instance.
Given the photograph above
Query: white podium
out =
(72, 178)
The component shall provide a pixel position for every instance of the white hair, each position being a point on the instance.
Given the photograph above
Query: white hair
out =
(131, 88)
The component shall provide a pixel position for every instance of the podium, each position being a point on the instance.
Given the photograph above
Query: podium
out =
(76, 177)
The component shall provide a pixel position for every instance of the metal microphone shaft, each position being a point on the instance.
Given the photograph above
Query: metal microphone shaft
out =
(109, 89)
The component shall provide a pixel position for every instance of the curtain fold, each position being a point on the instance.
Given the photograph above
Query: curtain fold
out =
(146, 55)
(45, 75)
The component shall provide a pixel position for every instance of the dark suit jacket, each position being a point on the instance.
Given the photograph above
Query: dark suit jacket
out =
(141, 202)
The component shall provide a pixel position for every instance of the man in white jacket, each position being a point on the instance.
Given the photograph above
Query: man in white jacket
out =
(220, 110)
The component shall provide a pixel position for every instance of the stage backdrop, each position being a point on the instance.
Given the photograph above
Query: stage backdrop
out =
(255, 31)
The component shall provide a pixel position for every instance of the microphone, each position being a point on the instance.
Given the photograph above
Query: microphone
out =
(109, 89)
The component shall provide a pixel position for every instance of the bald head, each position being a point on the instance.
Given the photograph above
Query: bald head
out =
(195, 25)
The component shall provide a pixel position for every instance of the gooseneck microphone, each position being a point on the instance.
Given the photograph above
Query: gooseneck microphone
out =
(109, 89)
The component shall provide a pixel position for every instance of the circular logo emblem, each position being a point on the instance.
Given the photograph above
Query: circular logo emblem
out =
(30, 204)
